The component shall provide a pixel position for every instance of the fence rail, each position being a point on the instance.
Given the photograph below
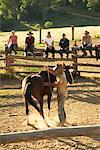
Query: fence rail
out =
(10, 62)
(89, 130)
(87, 64)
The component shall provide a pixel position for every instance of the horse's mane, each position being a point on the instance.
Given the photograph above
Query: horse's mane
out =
(45, 76)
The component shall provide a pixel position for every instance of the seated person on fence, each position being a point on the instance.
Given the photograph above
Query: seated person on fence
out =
(12, 42)
(87, 43)
(49, 45)
(64, 46)
(29, 43)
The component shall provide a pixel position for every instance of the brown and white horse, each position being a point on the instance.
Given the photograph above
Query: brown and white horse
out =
(33, 87)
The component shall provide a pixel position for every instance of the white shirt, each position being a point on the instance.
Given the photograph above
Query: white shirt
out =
(49, 41)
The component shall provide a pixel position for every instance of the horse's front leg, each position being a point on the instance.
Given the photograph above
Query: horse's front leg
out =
(49, 102)
(41, 111)
(41, 107)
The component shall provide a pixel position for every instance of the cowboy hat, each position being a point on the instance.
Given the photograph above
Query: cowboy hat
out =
(86, 32)
(13, 31)
(29, 33)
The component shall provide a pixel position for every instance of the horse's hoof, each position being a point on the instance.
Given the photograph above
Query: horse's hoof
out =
(46, 123)
(74, 124)
(28, 123)
(61, 124)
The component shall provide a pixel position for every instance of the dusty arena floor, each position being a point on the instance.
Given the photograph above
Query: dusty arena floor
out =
(82, 107)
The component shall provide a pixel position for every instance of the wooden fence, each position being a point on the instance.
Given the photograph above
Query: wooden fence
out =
(10, 61)
(90, 130)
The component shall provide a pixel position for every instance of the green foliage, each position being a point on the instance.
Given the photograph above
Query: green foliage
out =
(37, 26)
(31, 11)
(7, 75)
(48, 24)
(7, 24)
(97, 36)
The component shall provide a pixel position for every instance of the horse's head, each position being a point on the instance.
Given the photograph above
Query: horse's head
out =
(68, 71)
(59, 69)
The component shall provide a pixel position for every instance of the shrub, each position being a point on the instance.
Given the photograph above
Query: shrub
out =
(97, 36)
(37, 26)
(7, 24)
(48, 24)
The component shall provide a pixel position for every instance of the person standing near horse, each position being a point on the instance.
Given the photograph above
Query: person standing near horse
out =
(12, 42)
(29, 43)
(62, 91)
(49, 45)
(64, 46)
(87, 43)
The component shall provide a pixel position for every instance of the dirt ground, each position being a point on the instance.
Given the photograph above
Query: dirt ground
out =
(82, 107)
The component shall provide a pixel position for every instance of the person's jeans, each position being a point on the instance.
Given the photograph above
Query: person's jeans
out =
(85, 46)
(29, 49)
(61, 112)
(52, 50)
(13, 47)
(66, 51)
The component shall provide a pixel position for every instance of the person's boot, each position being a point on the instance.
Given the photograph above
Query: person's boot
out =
(15, 52)
(61, 55)
(67, 56)
(91, 53)
(53, 56)
(85, 54)
(46, 56)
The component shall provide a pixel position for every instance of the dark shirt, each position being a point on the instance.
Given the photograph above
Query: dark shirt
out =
(30, 41)
(64, 42)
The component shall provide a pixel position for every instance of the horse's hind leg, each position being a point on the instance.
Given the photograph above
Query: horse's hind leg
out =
(41, 107)
(27, 111)
(42, 113)
(28, 97)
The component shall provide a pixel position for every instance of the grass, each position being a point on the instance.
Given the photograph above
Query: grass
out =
(97, 36)
(7, 74)
(4, 74)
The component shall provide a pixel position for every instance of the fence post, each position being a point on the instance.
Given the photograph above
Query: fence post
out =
(72, 32)
(0, 22)
(9, 60)
(74, 57)
(40, 35)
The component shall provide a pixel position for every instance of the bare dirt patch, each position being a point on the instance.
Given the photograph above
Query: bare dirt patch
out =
(82, 107)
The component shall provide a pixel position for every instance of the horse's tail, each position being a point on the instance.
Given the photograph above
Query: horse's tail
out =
(28, 98)
(24, 83)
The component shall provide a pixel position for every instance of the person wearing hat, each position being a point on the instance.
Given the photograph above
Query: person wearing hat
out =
(64, 46)
(29, 43)
(49, 45)
(12, 42)
(87, 43)
(61, 85)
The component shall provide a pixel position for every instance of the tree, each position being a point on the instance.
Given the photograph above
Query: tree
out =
(93, 4)
(10, 8)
